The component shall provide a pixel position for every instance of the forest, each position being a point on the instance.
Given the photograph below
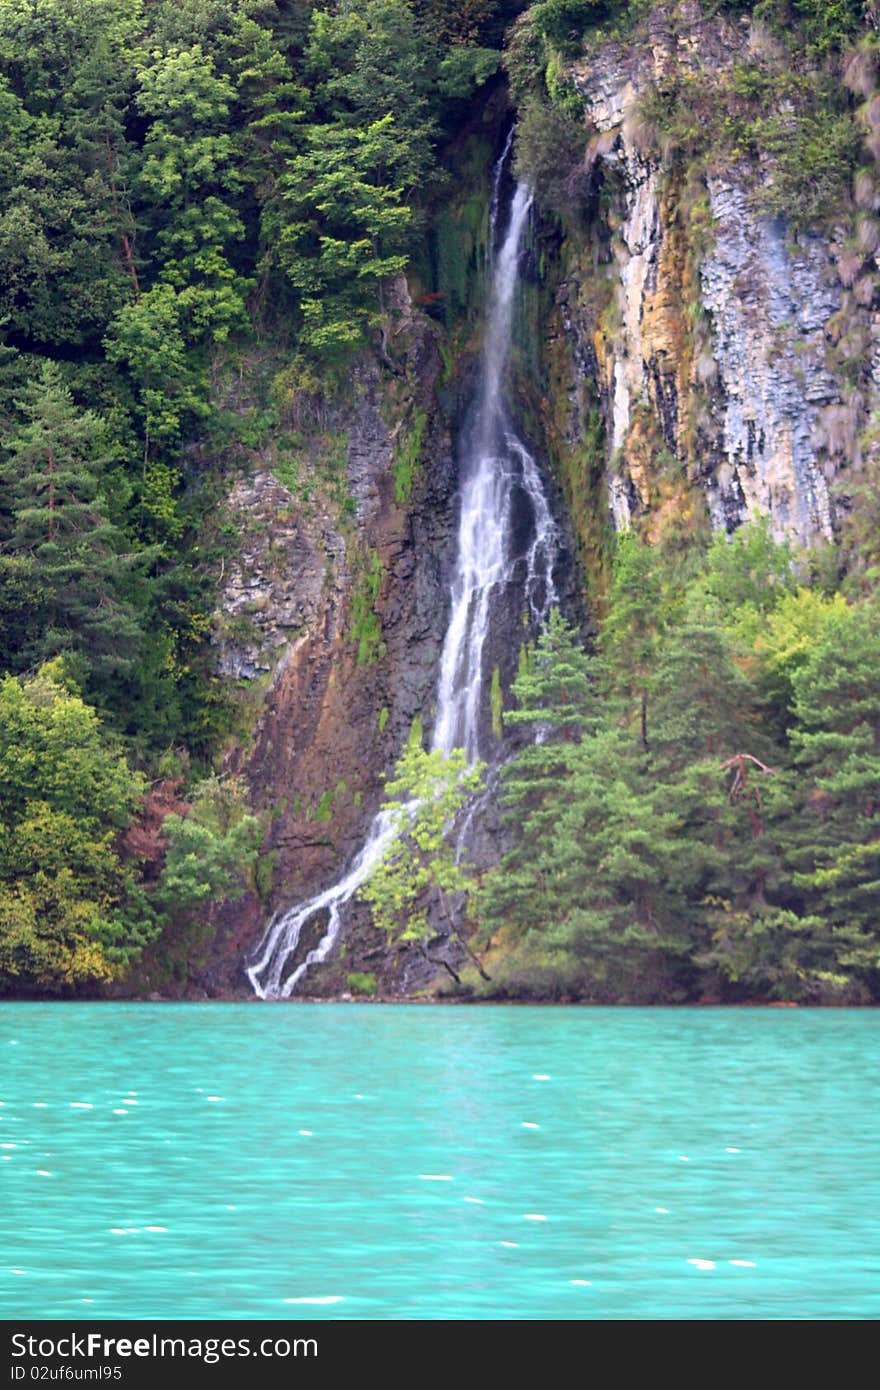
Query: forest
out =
(205, 206)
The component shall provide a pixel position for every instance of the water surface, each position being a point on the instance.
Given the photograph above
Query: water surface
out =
(345, 1161)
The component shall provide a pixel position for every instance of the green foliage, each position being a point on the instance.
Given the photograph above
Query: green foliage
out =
(463, 70)
(550, 154)
(798, 124)
(66, 76)
(784, 642)
(59, 526)
(563, 23)
(698, 813)
(459, 23)
(419, 865)
(836, 845)
(496, 703)
(347, 233)
(361, 982)
(407, 457)
(147, 338)
(366, 628)
(66, 791)
(827, 25)
(347, 215)
(211, 849)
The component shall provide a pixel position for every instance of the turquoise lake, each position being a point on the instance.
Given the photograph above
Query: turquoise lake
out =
(370, 1161)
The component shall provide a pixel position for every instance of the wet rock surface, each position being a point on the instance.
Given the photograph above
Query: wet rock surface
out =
(329, 715)
(711, 337)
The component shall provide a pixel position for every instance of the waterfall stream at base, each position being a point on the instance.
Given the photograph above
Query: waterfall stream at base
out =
(496, 471)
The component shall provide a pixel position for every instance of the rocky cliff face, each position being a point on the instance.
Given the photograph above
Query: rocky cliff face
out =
(712, 332)
(331, 620)
(701, 362)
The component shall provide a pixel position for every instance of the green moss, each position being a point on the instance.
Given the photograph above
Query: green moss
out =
(407, 456)
(361, 982)
(583, 476)
(323, 812)
(799, 123)
(383, 719)
(579, 466)
(447, 357)
(460, 238)
(561, 90)
(366, 628)
(264, 868)
(496, 701)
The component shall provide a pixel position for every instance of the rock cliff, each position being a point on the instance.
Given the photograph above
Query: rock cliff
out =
(331, 620)
(698, 358)
(725, 352)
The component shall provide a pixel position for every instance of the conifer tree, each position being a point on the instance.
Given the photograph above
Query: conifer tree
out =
(633, 626)
(835, 841)
(60, 523)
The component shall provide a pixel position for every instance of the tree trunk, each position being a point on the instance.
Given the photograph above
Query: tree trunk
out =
(51, 493)
(438, 960)
(460, 935)
(126, 244)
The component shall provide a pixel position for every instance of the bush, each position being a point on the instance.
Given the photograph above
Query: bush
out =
(361, 982)
(563, 23)
(550, 156)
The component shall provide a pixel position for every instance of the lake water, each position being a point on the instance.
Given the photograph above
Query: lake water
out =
(369, 1161)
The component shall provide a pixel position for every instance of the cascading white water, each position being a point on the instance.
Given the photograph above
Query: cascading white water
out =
(496, 471)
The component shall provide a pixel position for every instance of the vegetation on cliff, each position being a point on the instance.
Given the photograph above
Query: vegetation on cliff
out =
(190, 185)
(185, 184)
(699, 817)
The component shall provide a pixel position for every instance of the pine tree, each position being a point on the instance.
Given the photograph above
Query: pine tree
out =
(60, 524)
(634, 625)
(834, 843)
(557, 702)
(586, 877)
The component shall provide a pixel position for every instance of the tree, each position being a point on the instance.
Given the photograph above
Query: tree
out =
(555, 687)
(67, 232)
(349, 195)
(347, 232)
(784, 641)
(66, 793)
(60, 523)
(636, 618)
(456, 22)
(557, 701)
(420, 864)
(148, 338)
(210, 847)
(564, 22)
(190, 178)
(705, 706)
(833, 842)
(623, 854)
(588, 877)
(750, 571)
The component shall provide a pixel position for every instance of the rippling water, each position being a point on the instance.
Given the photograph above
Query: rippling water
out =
(345, 1161)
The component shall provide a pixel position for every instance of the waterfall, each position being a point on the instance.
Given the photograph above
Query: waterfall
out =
(499, 479)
